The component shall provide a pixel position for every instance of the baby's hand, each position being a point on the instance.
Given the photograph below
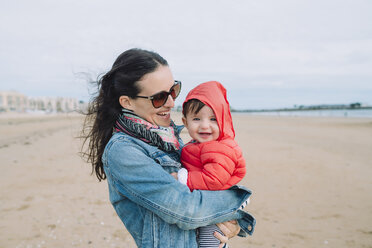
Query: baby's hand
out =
(182, 176)
(174, 174)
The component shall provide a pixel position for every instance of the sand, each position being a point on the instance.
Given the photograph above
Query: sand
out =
(311, 180)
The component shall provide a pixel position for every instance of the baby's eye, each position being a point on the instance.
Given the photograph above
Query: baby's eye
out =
(196, 119)
(213, 119)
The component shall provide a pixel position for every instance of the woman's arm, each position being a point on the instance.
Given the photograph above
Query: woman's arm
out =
(142, 180)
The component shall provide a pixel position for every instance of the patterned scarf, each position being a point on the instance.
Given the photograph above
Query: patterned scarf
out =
(162, 137)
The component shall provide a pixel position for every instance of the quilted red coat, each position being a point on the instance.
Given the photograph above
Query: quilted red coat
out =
(219, 164)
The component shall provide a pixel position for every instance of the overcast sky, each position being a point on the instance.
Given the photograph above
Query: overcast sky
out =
(267, 53)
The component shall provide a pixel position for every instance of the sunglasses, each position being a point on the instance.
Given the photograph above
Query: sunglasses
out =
(159, 99)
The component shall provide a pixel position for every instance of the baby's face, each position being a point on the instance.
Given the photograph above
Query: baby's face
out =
(202, 126)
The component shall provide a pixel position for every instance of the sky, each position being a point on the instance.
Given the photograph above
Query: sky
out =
(267, 53)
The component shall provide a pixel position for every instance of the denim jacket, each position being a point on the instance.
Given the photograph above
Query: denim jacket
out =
(156, 209)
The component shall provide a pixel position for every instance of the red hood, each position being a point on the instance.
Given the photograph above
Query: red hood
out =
(213, 94)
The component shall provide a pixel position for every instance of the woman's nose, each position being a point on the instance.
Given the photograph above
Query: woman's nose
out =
(170, 102)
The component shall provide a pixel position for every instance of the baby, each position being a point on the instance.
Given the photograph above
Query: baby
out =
(212, 159)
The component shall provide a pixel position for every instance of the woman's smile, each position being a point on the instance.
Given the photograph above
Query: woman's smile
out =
(164, 114)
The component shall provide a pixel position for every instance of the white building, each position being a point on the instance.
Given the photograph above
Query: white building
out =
(14, 101)
(67, 104)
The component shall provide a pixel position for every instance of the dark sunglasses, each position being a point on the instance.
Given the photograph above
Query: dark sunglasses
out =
(159, 99)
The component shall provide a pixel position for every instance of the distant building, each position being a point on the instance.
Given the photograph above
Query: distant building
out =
(12, 101)
(67, 104)
(17, 102)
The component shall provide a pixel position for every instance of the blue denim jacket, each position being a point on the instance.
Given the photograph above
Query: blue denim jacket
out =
(156, 209)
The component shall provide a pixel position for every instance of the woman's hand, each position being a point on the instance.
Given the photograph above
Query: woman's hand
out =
(175, 175)
(229, 228)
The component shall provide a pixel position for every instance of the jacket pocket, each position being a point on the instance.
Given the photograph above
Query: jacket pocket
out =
(169, 161)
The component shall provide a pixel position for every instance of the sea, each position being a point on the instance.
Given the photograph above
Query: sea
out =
(346, 113)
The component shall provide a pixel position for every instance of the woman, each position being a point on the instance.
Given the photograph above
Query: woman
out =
(136, 146)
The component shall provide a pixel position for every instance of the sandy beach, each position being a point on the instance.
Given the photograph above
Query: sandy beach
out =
(311, 180)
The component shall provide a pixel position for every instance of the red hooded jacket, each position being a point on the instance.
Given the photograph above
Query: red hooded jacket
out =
(219, 164)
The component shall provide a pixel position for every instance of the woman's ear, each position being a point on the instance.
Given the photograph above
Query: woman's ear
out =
(125, 102)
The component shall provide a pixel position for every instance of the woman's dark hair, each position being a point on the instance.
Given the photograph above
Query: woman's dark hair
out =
(104, 109)
(192, 106)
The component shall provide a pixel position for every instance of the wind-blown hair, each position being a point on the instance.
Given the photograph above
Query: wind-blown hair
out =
(104, 109)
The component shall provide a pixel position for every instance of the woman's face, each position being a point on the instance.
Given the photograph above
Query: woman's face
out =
(159, 80)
